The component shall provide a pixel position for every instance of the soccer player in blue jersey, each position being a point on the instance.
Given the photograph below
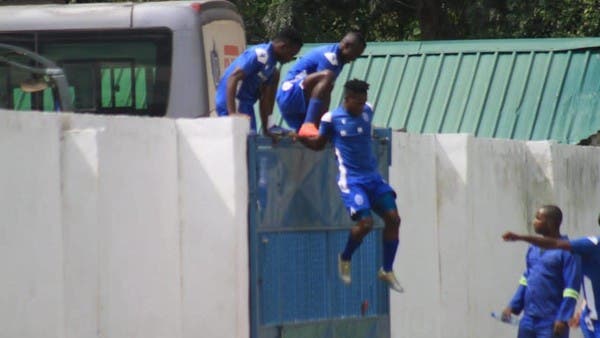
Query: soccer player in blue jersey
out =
(361, 186)
(254, 75)
(304, 95)
(588, 248)
(548, 289)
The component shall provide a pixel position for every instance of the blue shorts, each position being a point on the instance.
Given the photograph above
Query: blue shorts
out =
(589, 327)
(245, 108)
(292, 103)
(367, 195)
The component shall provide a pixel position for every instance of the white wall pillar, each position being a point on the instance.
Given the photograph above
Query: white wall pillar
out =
(213, 184)
(139, 235)
(81, 233)
(31, 238)
(413, 175)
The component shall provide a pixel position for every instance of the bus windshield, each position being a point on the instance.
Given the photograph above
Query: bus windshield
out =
(109, 71)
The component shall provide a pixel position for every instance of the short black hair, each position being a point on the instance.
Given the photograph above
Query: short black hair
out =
(289, 35)
(356, 86)
(358, 36)
(553, 213)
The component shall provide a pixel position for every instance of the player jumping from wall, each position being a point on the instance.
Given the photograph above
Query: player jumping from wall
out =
(304, 95)
(588, 248)
(254, 75)
(548, 289)
(361, 186)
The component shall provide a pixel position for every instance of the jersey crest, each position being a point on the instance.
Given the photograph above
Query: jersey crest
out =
(261, 55)
(332, 58)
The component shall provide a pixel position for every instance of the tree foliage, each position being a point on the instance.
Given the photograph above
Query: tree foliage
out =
(385, 20)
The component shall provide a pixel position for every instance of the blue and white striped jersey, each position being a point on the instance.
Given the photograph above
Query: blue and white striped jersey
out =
(351, 138)
(317, 59)
(588, 248)
(258, 64)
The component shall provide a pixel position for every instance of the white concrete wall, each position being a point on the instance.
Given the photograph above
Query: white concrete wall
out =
(136, 227)
(456, 195)
(214, 237)
(122, 227)
(31, 233)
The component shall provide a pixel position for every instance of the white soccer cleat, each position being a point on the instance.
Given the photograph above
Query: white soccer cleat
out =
(390, 279)
(344, 271)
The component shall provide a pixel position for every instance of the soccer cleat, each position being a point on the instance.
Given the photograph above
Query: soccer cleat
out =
(344, 270)
(390, 279)
(308, 129)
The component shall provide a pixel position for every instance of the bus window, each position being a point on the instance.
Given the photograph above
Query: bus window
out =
(81, 76)
(28, 81)
(140, 83)
(21, 100)
(4, 96)
(117, 90)
(109, 72)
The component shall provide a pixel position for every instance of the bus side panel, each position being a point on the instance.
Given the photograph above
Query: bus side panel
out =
(185, 97)
(224, 40)
(49, 17)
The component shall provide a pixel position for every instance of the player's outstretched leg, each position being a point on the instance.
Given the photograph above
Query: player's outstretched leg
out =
(357, 233)
(390, 246)
(317, 87)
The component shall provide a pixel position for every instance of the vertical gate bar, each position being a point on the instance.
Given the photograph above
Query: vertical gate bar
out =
(253, 236)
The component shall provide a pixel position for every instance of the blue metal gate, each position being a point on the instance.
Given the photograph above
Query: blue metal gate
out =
(298, 225)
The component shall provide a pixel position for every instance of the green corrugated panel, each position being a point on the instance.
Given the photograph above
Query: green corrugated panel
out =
(531, 89)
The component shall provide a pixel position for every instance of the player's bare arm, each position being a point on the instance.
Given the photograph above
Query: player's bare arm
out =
(232, 84)
(267, 101)
(539, 241)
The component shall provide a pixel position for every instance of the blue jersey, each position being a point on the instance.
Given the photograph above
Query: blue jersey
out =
(351, 138)
(549, 287)
(317, 59)
(589, 250)
(258, 64)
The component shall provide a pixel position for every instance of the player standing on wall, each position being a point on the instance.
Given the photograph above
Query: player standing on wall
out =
(548, 289)
(588, 248)
(304, 95)
(254, 75)
(361, 186)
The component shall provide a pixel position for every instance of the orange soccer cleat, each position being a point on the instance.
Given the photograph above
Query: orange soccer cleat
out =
(308, 129)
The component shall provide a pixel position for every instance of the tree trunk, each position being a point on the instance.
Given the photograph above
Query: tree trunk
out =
(433, 21)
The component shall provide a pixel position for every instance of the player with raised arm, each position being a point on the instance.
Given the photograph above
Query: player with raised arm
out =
(588, 248)
(305, 93)
(361, 186)
(548, 290)
(254, 75)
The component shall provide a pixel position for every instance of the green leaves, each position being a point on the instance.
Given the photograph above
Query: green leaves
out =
(381, 20)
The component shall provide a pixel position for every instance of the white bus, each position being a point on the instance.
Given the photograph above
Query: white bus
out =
(148, 59)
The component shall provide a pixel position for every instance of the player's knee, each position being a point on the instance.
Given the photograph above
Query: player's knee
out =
(327, 77)
(366, 224)
(395, 221)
